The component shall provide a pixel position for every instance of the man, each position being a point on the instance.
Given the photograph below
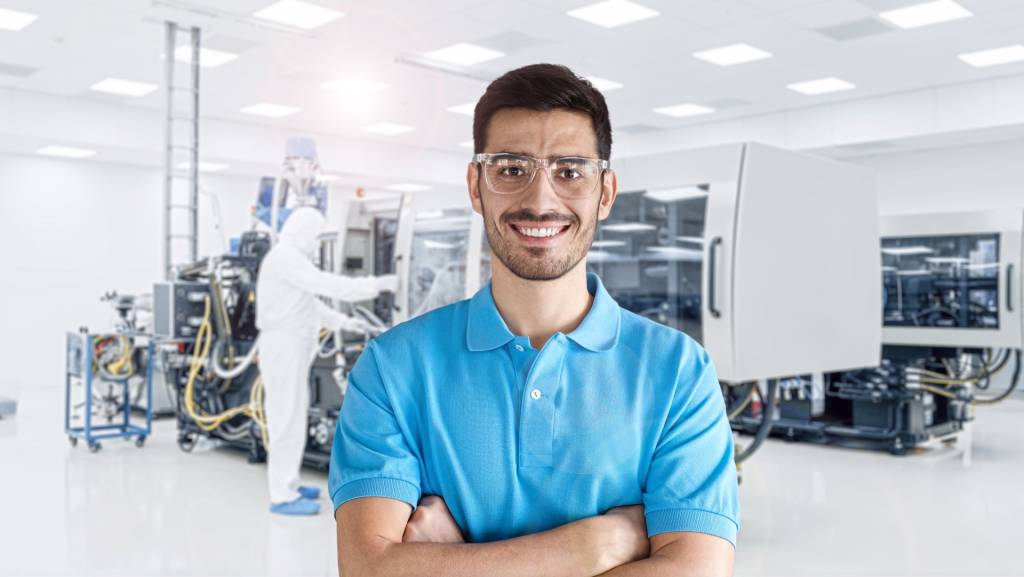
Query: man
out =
(537, 428)
(289, 317)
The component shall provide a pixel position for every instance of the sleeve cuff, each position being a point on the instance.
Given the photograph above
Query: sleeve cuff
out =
(691, 521)
(377, 487)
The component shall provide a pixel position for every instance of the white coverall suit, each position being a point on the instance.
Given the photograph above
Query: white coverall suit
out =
(289, 317)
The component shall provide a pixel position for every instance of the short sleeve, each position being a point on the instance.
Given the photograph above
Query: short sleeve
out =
(691, 485)
(370, 456)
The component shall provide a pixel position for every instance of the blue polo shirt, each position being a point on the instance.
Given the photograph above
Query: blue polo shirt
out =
(621, 411)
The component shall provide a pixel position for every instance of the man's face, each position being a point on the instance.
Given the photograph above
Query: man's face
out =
(509, 219)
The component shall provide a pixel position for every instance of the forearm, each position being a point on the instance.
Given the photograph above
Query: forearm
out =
(554, 553)
(693, 555)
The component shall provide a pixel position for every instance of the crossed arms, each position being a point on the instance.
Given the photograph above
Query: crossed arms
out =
(378, 536)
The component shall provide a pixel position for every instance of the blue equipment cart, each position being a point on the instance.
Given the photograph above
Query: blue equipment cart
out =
(113, 359)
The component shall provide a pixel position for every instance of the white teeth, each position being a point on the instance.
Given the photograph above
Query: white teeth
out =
(539, 232)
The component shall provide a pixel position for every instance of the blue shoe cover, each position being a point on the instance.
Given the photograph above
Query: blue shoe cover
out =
(309, 492)
(299, 506)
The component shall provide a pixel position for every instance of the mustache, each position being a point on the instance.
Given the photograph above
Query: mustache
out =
(527, 216)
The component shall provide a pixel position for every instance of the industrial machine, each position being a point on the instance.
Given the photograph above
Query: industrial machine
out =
(952, 329)
(767, 257)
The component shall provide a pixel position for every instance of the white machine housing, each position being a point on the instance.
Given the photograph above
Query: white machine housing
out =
(790, 257)
(1007, 226)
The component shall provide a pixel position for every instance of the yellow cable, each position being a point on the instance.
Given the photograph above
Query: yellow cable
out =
(937, 391)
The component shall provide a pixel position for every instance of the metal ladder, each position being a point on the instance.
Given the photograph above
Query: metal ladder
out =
(181, 155)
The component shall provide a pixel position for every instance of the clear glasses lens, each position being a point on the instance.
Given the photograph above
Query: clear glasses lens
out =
(570, 177)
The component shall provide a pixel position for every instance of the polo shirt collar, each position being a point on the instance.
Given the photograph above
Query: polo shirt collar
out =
(599, 331)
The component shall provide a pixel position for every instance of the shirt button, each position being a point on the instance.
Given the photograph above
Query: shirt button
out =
(519, 348)
(535, 394)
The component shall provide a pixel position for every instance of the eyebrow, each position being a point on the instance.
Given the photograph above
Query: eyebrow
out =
(523, 153)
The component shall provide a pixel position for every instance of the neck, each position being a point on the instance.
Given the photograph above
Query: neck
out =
(539, 309)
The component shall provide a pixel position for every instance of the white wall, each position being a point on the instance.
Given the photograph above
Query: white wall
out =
(977, 177)
(71, 231)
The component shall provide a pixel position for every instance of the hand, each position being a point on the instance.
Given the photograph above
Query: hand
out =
(387, 283)
(623, 539)
(354, 325)
(432, 523)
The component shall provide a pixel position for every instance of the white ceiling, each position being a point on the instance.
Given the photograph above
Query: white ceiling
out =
(76, 43)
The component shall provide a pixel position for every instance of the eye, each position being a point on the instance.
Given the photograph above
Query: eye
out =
(568, 173)
(511, 171)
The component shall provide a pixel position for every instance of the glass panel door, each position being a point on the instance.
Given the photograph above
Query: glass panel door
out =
(649, 254)
(949, 281)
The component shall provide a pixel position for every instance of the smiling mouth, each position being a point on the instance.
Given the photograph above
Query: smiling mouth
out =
(536, 232)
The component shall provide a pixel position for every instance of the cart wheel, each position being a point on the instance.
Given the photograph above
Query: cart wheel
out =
(73, 440)
(95, 447)
(187, 442)
(140, 441)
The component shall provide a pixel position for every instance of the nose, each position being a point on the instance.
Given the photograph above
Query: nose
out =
(540, 197)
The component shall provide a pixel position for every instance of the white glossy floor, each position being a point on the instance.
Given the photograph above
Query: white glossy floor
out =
(807, 510)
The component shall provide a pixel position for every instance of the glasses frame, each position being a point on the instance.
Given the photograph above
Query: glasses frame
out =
(537, 164)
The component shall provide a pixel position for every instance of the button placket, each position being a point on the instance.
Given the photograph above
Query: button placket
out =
(537, 432)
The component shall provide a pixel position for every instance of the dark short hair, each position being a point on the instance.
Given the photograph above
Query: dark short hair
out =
(543, 87)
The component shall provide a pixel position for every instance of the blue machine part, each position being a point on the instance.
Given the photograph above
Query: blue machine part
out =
(300, 147)
(265, 197)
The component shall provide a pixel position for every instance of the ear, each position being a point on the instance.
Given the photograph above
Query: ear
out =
(473, 185)
(609, 190)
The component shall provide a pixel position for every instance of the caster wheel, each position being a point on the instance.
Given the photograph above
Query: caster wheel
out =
(73, 440)
(187, 442)
(140, 442)
(95, 447)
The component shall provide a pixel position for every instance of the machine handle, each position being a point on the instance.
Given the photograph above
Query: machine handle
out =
(712, 281)
(1009, 287)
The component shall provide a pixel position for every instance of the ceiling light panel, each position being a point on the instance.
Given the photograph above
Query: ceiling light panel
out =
(66, 151)
(354, 85)
(123, 87)
(13, 20)
(208, 57)
(603, 84)
(926, 14)
(298, 14)
(270, 110)
(995, 56)
(684, 110)
(821, 86)
(388, 129)
(204, 166)
(409, 187)
(468, 108)
(732, 55)
(613, 13)
(464, 54)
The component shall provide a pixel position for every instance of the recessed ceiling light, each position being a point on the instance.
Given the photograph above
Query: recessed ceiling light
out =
(466, 144)
(13, 21)
(468, 108)
(732, 54)
(464, 54)
(270, 110)
(613, 13)
(682, 110)
(994, 57)
(204, 166)
(354, 86)
(629, 227)
(603, 84)
(907, 250)
(298, 14)
(208, 57)
(388, 128)
(409, 187)
(676, 194)
(926, 14)
(66, 151)
(821, 86)
(608, 243)
(123, 87)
